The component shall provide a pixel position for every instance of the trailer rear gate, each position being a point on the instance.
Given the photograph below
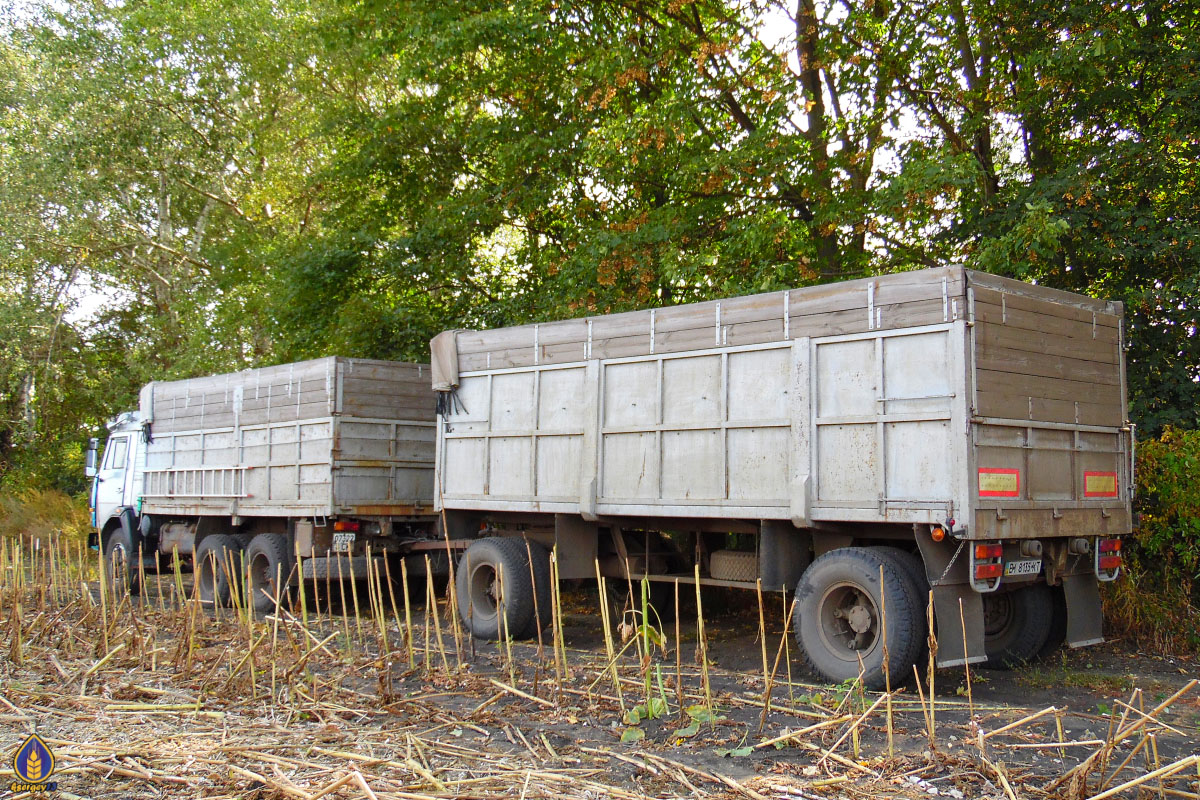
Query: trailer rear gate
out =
(911, 398)
(316, 438)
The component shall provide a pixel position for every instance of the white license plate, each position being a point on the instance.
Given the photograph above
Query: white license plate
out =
(1030, 566)
(343, 542)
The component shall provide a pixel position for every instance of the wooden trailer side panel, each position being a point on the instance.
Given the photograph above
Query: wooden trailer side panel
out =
(1052, 446)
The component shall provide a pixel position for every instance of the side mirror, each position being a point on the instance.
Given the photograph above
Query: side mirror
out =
(89, 466)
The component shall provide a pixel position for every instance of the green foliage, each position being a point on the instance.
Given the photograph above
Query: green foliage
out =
(1169, 506)
(1156, 602)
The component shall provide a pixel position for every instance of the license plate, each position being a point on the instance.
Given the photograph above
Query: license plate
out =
(343, 541)
(1030, 566)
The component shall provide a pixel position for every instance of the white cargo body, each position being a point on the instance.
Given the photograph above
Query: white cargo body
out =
(315, 439)
(941, 431)
(918, 397)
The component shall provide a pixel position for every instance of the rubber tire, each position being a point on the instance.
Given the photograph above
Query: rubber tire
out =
(914, 568)
(858, 567)
(124, 577)
(542, 615)
(1031, 616)
(212, 585)
(267, 553)
(1058, 624)
(479, 611)
(733, 565)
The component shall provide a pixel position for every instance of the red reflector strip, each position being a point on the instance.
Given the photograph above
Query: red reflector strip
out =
(988, 571)
(1099, 484)
(1110, 562)
(345, 525)
(996, 482)
(983, 551)
(1110, 546)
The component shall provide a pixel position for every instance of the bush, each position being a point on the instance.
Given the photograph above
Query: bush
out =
(39, 513)
(1156, 603)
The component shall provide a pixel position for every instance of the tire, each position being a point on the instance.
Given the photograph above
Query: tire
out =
(914, 569)
(838, 620)
(1058, 624)
(541, 616)
(479, 596)
(733, 565)
(267, 555)
(212, 580)
(1016, 625)
(121, 551)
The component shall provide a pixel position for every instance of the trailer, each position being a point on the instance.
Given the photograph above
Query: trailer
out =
(282, 467)
(866, 445)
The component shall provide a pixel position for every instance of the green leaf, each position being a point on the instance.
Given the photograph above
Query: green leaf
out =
(631, 735)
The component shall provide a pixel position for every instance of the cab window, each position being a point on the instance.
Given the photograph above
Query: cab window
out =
(118, 451)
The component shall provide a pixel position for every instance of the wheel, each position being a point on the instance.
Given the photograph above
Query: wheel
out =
(267, 556)
(839, 618)
(121, 552)
(541, 617)
(914, 569)
(1016, 625)
(479, 591)
(733, 565)
(214, 557)
(1058, 623)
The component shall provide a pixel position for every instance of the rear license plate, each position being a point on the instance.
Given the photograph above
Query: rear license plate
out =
(1030, 566)
(343, 542)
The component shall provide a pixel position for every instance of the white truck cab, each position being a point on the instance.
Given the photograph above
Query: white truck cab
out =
(117, 482)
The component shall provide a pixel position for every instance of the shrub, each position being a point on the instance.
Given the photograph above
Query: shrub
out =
(39, 513)
(1156, 603)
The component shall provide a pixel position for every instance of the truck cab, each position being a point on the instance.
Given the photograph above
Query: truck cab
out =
(116, 475)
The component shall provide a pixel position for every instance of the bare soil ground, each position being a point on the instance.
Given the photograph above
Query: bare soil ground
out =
(156, 696)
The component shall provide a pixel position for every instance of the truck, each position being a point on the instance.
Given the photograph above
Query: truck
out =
(937, 448)
(937, 443)
(280, 468)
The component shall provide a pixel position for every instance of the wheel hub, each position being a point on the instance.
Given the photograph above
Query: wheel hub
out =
(859, 618)
(850, 623)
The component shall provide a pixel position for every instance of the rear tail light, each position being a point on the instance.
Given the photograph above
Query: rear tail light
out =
(346, 525)
(1108, 559)
(985, 551)
(987, 572)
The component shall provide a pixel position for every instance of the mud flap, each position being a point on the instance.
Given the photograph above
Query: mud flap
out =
(957, 608)
(1085, 620)
(784, 552)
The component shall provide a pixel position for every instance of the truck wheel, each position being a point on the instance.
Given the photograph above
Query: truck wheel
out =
(540, 617)
(479, 591)
(1058, 624)
(212, 579)
(121, 562)
(267, 556)
(839, 620)
(914, 569)
(1016, 625)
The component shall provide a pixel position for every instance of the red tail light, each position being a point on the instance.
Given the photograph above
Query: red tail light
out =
(343, 525)
(983, 551)
(985, 572)
(1109, 546)
(1109, 563)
